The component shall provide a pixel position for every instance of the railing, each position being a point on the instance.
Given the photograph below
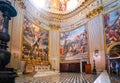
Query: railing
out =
(103, 78)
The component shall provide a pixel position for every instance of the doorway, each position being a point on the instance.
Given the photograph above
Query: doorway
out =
(114, 60)
(83, 65)
(70, 67)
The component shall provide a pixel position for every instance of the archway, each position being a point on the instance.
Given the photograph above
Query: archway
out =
(114, 58)
(113, 45)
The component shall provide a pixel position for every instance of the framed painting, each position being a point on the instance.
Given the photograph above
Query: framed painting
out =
(35, 41)
(74, 44)
(112, 27)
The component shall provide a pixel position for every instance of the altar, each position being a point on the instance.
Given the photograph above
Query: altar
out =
(36, 64)
(42, 68)
(37, 68)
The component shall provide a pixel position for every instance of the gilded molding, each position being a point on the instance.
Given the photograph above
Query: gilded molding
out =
(95, 12)
(21, 3)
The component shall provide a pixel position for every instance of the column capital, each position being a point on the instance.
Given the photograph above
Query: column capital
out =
(95, 12)
(54, 27)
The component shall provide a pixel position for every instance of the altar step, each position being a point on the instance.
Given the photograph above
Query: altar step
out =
(45, 73)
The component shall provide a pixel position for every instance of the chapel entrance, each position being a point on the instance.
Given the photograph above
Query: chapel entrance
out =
(114, 60)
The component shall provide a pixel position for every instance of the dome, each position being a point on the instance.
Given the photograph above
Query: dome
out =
(56, 6)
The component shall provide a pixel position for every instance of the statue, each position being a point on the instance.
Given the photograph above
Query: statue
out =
(94, 68)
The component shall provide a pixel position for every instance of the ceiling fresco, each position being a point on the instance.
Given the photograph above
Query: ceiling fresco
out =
(56, 6)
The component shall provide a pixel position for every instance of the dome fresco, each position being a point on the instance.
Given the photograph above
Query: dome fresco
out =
(56, 6)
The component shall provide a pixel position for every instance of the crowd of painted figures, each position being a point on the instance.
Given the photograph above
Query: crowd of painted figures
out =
(74, 46)
(35, 43)
(112, 28)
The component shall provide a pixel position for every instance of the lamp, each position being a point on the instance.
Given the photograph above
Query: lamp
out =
(96, 52)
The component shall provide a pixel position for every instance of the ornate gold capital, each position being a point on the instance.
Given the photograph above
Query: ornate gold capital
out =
(95, 12)
(54, 26)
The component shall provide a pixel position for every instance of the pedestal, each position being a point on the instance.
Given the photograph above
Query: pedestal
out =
(7, 77)
(7, 11)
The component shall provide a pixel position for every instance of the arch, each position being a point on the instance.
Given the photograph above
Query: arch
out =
(110, 47)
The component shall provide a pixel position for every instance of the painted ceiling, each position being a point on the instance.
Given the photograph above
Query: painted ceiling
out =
(56, 6)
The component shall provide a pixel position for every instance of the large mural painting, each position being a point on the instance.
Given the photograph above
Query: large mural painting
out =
(112, 27)
(74, 45)
(35, 41)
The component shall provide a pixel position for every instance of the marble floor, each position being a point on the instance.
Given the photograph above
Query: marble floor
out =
(58, 78)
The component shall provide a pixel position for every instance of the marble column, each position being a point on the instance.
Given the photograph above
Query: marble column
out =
(96, 42)
(16, 36)
(54, 55)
